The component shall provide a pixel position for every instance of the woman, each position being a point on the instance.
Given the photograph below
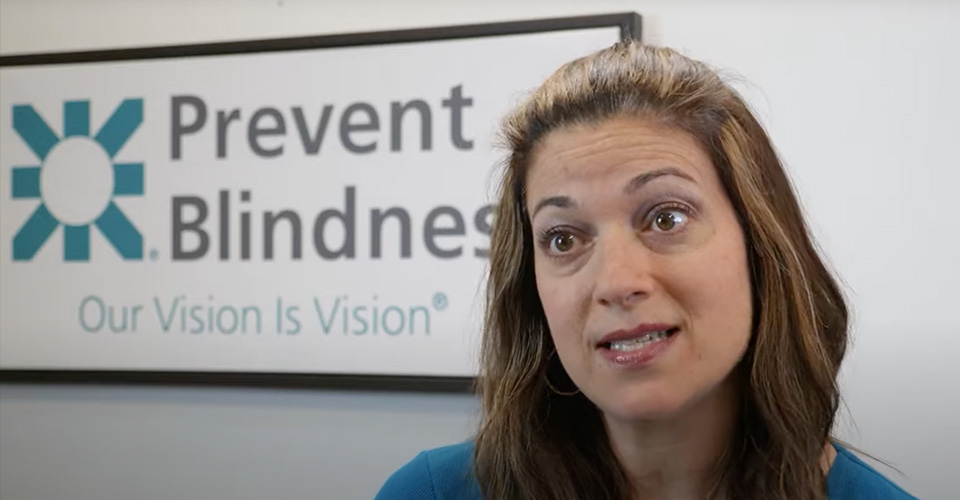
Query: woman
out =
(659, 324)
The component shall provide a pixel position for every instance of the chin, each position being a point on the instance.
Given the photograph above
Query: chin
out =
(640, 403)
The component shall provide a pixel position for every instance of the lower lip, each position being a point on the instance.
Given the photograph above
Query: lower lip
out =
(638, 357)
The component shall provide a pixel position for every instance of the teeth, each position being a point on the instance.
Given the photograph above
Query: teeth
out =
(638, 343)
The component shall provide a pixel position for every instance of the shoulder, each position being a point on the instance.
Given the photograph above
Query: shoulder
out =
(852, 479)
(438, 474)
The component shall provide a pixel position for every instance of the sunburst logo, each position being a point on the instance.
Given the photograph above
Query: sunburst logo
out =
(77, 180)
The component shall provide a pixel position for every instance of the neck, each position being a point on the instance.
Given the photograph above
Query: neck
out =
(676, 458)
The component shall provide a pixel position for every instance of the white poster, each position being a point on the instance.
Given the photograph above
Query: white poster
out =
(319, 211)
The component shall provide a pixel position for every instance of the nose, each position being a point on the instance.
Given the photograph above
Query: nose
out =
(623, 271)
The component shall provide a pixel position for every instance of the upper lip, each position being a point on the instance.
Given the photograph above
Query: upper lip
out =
(635, 332)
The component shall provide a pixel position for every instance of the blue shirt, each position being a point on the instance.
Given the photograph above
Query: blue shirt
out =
(445, 474)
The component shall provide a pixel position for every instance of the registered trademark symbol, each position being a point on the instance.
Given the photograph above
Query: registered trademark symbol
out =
(439, 301)
(154, 254)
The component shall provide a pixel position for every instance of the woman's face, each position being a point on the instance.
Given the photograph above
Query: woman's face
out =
(641, 265)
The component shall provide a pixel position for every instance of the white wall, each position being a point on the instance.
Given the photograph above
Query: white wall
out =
(861, 98)
(152, 443)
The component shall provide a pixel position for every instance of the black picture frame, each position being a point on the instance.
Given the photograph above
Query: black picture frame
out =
(629, 24)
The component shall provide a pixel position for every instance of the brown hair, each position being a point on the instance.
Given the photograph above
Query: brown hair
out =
(537, 444)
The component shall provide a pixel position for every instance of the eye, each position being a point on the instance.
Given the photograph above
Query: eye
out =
(559, 241)
(562, 242)
(669, 218)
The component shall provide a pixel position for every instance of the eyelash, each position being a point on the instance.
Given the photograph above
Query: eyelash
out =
(667, 207)
(545, 237)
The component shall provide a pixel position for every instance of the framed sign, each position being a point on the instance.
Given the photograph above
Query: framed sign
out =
(309, 211)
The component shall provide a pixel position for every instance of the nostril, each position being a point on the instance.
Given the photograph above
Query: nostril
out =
(621, 298)
(633, 297)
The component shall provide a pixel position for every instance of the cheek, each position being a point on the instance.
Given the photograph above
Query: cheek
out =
(565, 302)
(716, 294)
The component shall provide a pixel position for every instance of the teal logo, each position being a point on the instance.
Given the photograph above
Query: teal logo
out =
(77, 180)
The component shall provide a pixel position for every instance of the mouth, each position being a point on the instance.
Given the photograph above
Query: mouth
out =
(637, 338)
(637, 343)
(638, 346)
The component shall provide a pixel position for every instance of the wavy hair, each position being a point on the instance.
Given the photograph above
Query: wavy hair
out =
(535, 444)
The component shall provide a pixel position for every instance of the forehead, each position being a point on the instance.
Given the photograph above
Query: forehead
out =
(618, 146)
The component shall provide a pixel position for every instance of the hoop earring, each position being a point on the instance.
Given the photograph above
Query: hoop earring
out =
(546, 378)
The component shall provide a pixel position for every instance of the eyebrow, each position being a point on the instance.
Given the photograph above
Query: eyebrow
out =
(554, 201)
(643, 179)
(633, 186)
